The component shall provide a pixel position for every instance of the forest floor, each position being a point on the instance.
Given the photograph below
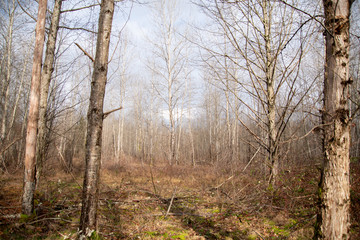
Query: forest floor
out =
(139, 202)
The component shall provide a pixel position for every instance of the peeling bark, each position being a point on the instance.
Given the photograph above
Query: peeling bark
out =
(334, 190)
(31, 133)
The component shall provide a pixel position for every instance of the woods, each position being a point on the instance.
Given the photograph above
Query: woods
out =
(183, 119)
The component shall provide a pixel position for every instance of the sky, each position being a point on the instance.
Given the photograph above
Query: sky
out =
(139, 28)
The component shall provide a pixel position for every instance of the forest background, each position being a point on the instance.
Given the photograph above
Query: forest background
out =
(207, 90)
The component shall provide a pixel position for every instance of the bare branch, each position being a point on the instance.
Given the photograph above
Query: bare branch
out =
(27, 13)
(81, 8)
(87, 54)
(308, 14)
(109, 112)
(78, 28)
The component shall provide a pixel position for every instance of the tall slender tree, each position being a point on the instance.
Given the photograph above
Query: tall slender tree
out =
(333, 219)
(31, 133)
(95, 117)
(47, 71)
(169, 52)
(257, 44)
(6, 84)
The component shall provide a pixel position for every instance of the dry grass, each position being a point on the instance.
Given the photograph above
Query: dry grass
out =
(202, 203)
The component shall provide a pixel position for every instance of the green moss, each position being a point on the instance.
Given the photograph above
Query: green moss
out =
(182, 236)
(215, 210)
(300, 189)
(312, 182)
(291, 223)
(252, 236)
(153, 233)
(270, 188)
(95, 236)
(280, 232)
(270, 222)
(24, 218)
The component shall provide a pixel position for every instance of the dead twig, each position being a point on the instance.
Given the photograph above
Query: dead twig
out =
(218, 186)
(178, 214)
(251, 159)
(259, 234)
(171, 202)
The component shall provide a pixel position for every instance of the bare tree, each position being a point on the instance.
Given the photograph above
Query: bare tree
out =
(13, 81)
(333, 220)
(95, 116)
(6, 81)
(30, 149)
(258, 45)
(47, 71)
(169, 50)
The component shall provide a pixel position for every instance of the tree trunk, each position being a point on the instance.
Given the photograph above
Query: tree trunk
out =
(19, 93)
(47, 71)
(270, 97)
(95, 122)
(333, 219)
(8, 71)
(31, 133)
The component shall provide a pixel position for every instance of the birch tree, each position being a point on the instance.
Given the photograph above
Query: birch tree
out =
(95, 116)
(168, 51)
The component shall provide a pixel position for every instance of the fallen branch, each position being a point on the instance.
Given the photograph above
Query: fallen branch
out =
(47, 219)
(258, 234)
(218, 186)
(171, 201)
(11, 216)
(178, 214)
(251, 159)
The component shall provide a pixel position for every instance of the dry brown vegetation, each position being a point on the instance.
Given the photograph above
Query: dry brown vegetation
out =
(172, 202)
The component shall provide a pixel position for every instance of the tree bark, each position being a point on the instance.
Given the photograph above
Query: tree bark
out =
(270, 97)
(31, 133)
(90, 196)
(47, 71)
(333, 219)
(8, 70)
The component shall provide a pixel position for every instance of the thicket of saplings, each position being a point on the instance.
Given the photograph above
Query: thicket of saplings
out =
(223, 193)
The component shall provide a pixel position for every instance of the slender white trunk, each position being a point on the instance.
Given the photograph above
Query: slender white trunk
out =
(30, 148)
(47, 71)
(8, 71)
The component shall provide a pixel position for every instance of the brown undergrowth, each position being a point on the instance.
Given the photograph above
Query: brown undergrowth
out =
(171, 202)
